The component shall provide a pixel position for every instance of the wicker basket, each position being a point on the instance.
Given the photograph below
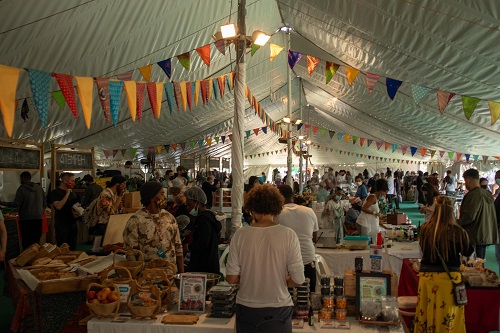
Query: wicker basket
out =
(118, 281)
(142, 312)
(103, 310)
(166, 265)
(135, 267)
(27, 255)
(158, 277)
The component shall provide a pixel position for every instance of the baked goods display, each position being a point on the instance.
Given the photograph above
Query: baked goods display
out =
(53, 275)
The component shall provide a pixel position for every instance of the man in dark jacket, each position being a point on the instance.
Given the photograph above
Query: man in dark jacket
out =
(477, 214)
(206, 234)
(209, 188)
(30, 201)
(91, 192)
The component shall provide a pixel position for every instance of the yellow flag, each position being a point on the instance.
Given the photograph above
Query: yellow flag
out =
(351, 74)
(275, 50)
(196, 92)
(209, 141)
(183, 94)
(347, 138)
(8, 81)
(159, 97)
(84, 86)
(159, 148)
(131, 90)
(494, 111)
(146, 72)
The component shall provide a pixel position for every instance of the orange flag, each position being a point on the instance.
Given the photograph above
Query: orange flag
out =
(347, 138)
(131, 90)
(84, 87)
(146, 72)
(312, 62)
(351, 74)
(275, 50)
(204, 53)
(8, 81)
(183, 94)
(423, 151)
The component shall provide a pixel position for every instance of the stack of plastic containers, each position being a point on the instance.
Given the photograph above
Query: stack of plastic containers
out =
(223, 298)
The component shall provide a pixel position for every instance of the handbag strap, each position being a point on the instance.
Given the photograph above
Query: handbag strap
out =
(445, 267)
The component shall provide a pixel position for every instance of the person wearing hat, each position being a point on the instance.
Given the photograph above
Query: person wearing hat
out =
(206, 234)
(91, 192)
(153, 230)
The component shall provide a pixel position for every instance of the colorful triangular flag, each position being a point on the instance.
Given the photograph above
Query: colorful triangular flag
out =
(275, 50)
(392, 87)
(351, 74)
(65, 82)
(146, 72)
(40, 85)
(312, 62)
(204, 53)
(293, 58)
(184, 60)
(371, 80)
(166, 65)
(469, 105)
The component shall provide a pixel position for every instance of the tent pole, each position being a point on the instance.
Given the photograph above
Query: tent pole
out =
(301, 158)
(237, 144)
(289, 178)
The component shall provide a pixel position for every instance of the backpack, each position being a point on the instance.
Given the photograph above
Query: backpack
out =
(448, 180)
(91, 215)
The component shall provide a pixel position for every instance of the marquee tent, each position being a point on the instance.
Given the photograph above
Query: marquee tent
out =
(443, 56)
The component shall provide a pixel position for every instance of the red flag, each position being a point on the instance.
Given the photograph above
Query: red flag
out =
(152, 98)
(103, 92)
(204, 53)
(140, 86)
(65, 81)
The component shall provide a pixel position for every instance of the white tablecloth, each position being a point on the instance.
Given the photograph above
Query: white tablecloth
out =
(339, 260)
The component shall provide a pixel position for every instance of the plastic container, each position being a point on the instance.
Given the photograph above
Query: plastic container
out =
(328, 302)
(325, 313)
(356, 242)
(340, 314)
(341, 302)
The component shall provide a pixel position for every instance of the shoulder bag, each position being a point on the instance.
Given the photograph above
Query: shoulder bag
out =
(459, 292)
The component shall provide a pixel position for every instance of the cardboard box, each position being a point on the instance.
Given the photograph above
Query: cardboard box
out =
(132, 199)
(396, 219)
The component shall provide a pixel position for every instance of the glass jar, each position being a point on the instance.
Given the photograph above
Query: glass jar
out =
(340, 314)
(328, 302)
(341, 302)
(325, 313)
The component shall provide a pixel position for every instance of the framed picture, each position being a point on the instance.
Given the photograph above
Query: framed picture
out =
(371, 285)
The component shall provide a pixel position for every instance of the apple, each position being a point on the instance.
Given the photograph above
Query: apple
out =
(101, 295)
(113, 297)
(105, 301)
(95, 301)
(91, 295)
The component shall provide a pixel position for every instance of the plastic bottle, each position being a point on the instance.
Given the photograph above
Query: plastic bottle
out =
(380, 238)
(410, 234)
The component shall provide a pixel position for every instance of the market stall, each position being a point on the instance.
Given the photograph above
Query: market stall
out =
(481, 311)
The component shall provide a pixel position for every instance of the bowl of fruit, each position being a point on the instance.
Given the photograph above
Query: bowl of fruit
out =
(103, 300)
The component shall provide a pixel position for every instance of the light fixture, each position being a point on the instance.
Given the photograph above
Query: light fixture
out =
(301, 137)
(260, 38)
(298, 121)
(308, 141)
(228, 31)
(287, 120)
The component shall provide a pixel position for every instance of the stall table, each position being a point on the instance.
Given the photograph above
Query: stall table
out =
(35, 312)
(207, 325)
(481, 311)
(338, 260)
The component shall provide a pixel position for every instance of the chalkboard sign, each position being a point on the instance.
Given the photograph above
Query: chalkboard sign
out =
(19, 158)
(215, 163)
(70, 160)
(225, 164)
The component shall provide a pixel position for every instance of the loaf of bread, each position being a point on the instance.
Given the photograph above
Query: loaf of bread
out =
(65, 258)
(41, 261)
(44, 276)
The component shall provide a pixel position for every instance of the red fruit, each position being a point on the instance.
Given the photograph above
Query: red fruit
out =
(91, 295)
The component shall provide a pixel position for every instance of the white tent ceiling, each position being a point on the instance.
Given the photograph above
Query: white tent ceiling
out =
(443, 45)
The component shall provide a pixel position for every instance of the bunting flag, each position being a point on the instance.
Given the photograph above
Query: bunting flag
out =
(174, 146)
(256, 131)
(306, 127)
(24, 110)
(210, 88)
(443, 98)
(230, 136)
(59, 98)
(299, 126)
(167, 148)
(264, 129)
(392, 87)
(469, 105)
(189, 95)
(40, 85)
(182, 87)
(65, 82)
(106, 153)
(378, 144)
(247, 133)
(459, 156)
(423, 151)
(371, 81)
(155, 97)
(200, 143)
(432, 153)
(369, 142)
(494, 111)
(177, 94)
(339, 136)
(191, 143)
(169, 92)
(413, 150)
(221, 46)
(223, 138)
(330, 70)
(354, 140)
(467, 157)
(221, 82)
(323, 131)
(103, 92)
(204, 53)
(275, 50)
(255, 47)
(312, 62)
(441, 153)
(213, 87)
(183, 146)
(166, 65)
(196, 92)
(418, 93)
(485, 159)
(159, 149)
(475, 157)
(127, 76)
(131, 92)
(145, 72)
(139, 97)
(9, 77)
(361, 142)
(315, 129)
(115, 90)
(123, 151)
(394, 147)
(387, 145)
(347, 137)
(331, 133)
(133, 151)
(185, 61)
(351, 73)
(293, 58)
(84, 87)
(217, 139)
(450, 155)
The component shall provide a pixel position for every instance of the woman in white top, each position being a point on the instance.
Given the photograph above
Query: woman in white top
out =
(333, 214)
(368, 219)
(264, 258)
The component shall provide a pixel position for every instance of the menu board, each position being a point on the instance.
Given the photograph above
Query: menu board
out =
(71, 160)
(192, 292)
(19, 158)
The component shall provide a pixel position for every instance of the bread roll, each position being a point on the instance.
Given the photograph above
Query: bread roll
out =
(41, 261)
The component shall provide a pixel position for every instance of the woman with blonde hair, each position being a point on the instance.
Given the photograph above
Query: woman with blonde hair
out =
(441, 239)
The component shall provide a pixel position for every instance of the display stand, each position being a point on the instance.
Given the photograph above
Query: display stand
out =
(222, 200)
